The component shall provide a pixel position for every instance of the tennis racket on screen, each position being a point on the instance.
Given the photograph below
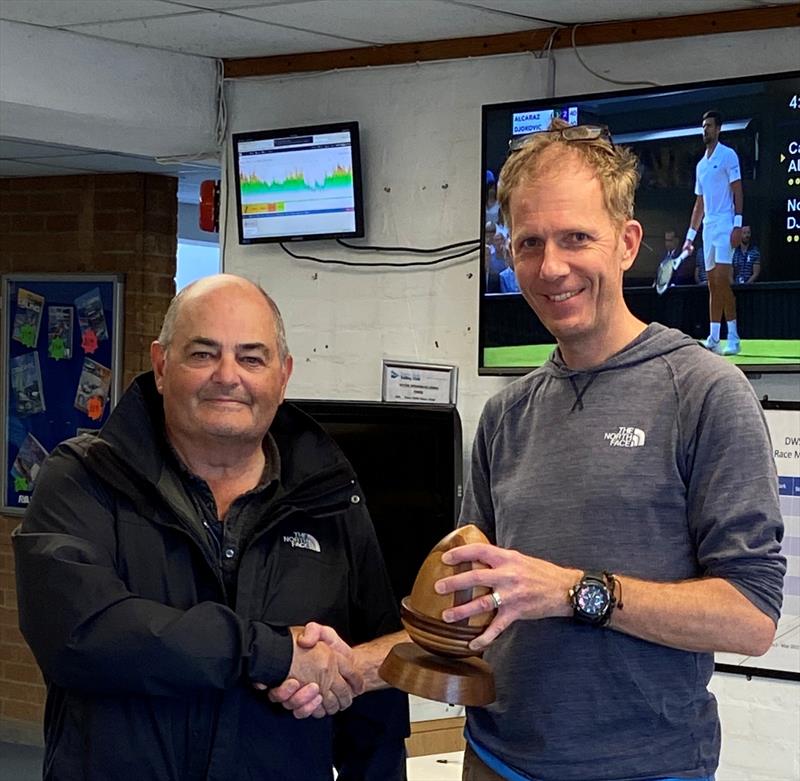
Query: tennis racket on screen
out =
(666, 269)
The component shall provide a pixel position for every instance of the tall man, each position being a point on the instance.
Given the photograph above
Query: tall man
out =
(719, 202)
(626, 547)
(166, 568)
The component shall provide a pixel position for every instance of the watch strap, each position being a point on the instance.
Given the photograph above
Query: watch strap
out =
(604, 580)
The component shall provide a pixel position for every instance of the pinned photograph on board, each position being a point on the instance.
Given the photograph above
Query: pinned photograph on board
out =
(93, 389)
(26, 384)
(27, 464)
(28, 317)
(59, 332)
(91, 319)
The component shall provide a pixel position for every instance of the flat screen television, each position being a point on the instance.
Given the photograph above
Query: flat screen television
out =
(299, 183)
(761, 121)
(409, 462)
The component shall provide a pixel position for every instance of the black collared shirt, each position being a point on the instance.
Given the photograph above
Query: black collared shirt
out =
(228, 535)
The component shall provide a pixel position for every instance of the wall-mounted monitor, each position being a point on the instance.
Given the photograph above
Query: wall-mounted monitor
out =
(299, 183)
(761, 122)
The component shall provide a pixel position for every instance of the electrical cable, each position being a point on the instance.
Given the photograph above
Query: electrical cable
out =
(417, 250)
(225, 188)
(411, 264)
(547, 49)
(605, 78)
(220, 127)
(221, 124)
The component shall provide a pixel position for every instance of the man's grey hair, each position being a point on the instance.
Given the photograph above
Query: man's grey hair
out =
(170, 318)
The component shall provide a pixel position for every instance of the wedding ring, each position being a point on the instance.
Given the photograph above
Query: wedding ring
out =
(496, 599)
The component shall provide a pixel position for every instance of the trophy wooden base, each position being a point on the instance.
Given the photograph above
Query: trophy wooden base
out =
(457, 681)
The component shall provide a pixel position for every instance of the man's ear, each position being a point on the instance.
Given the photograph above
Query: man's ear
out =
(631, 238)
(288, 365)
(158, 356)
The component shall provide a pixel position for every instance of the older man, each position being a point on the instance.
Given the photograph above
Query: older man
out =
(627, 548)
(167, 566)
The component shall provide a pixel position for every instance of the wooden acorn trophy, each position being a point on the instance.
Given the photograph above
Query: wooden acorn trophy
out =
(439, 665)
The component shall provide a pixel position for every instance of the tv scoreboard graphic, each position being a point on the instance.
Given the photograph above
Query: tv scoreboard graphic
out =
(789, 159)
(523, 122)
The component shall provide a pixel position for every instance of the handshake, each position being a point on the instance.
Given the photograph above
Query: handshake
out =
(326, 674)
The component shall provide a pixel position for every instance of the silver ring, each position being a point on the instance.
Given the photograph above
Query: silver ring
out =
(496, 599)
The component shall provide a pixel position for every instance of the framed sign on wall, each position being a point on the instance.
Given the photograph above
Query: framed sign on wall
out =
(424, 383)
(61, 349)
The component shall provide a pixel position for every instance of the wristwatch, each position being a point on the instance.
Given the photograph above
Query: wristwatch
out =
(592, 600)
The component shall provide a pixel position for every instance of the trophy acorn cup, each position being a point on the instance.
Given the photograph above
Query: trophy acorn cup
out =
(439, 664)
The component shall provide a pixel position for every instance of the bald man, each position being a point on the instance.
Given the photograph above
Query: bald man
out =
(168, 565)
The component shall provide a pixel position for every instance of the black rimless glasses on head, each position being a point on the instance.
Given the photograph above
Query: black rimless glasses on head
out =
(571, 133)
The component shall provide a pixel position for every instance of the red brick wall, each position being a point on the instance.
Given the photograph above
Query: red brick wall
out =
(115, 223)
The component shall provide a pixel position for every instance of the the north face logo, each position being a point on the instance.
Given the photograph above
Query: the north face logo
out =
(302, 540)
(626, 436)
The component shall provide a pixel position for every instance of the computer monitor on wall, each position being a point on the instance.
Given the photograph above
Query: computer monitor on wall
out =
(298, 183)
(761, 121)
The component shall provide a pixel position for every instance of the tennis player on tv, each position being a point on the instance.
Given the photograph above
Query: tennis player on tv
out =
(719, 204)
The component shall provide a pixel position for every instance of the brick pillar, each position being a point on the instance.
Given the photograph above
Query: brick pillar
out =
(114, 223)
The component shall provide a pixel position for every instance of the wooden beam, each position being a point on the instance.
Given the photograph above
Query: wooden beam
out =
(514, 43)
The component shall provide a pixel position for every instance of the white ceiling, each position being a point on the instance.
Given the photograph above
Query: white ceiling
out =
(253, 28)
(258, 28)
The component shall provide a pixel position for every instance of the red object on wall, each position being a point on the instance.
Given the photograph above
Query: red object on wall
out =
(209, 205)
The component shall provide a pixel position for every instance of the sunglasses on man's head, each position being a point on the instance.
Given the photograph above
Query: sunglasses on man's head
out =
(571, 133)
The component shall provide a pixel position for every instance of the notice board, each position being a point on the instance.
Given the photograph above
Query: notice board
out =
(783, 658)
(61, 348)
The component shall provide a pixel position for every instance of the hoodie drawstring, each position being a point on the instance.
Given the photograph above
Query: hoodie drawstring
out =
(580, 391)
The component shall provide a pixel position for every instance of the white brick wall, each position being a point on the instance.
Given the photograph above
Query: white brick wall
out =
(420, 127)
(760, 728)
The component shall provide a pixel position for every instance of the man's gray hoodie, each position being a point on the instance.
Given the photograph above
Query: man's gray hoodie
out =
(656, 464)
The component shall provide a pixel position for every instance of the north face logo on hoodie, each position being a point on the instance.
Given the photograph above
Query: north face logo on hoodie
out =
(626, 436)
(302, 540)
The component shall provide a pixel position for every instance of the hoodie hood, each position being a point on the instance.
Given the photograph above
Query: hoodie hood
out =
(655, 341)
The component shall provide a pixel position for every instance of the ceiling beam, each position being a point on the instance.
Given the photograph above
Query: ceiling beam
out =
(515, 43)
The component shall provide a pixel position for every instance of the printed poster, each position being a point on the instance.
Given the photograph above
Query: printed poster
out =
(93, 389)
(59, 332)
(26, 384)
(91, 319)
(28, 318)
(27, 464)
(784, 655)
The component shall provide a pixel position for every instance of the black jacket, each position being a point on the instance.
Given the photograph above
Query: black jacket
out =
(149, 670)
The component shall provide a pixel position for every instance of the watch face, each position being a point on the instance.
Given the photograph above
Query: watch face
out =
(592, 599)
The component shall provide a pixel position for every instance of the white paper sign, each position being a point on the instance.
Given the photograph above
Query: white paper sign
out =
(784, 656)
(419, 382)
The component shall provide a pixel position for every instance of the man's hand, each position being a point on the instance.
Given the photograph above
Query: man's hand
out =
(322, 679)
(736, 237)
(365, 658)
(688, 246)
(307, 700)
(529, 588)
